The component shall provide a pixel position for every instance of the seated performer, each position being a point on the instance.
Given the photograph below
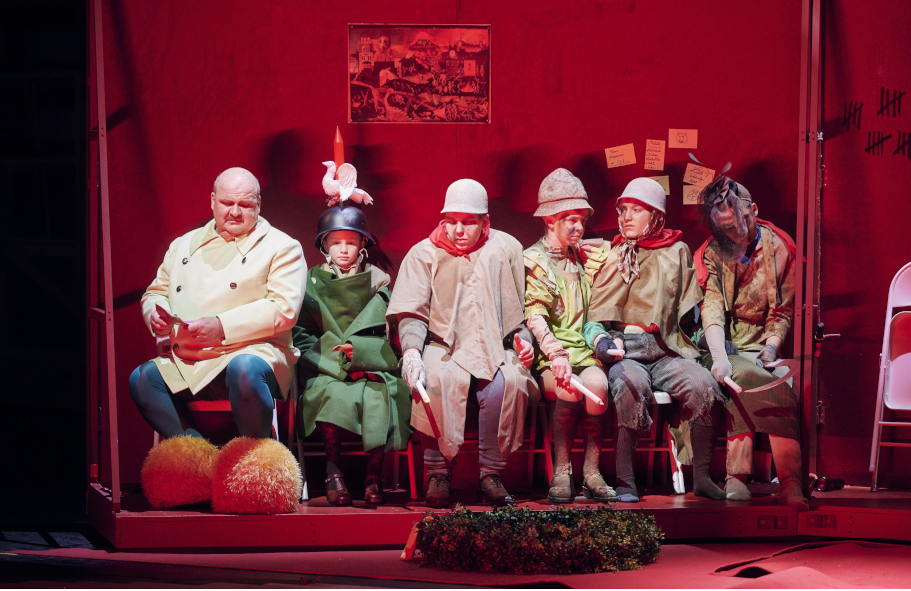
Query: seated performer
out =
(747, 270)
(639, 297)
(348, 370)
(228, 295)
(557, 293)
(458, 304)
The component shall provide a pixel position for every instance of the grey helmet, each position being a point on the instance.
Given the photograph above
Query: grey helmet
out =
(343, 217)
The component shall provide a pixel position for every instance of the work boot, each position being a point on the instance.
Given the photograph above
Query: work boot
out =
(493, 491)
(437, 491)
(703, 439)
(565, 419)
(561, 488)
(373, 493)
(594, 487)
(336, 491)
(786, 455)
(735, 488)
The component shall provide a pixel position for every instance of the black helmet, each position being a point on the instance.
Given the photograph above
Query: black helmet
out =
(343, 218)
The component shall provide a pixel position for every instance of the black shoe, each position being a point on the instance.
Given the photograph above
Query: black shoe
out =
(336, 491)
(437, 491)
(493, 491)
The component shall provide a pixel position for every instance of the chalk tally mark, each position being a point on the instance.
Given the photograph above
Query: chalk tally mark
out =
(852, 115)
(875, 141)
(887, 100)
(904, 144)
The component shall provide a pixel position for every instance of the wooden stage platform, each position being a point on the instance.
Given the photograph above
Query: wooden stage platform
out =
(853, 512)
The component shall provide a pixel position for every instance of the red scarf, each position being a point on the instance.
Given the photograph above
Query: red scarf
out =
(662, 239)
(439, 239)
(702, 272)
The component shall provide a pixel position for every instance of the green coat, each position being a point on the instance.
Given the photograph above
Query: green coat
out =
(350, 310)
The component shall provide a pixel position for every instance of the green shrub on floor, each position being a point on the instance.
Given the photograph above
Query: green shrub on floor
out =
(563, 540)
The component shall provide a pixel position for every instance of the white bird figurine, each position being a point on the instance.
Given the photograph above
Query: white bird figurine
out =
(345, 187)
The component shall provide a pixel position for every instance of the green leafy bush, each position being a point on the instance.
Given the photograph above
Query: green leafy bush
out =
(563, 540)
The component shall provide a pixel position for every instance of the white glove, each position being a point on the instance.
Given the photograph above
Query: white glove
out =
(413, 369)
(721, 367)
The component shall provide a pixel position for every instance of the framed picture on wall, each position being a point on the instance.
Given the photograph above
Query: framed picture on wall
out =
(419, 73)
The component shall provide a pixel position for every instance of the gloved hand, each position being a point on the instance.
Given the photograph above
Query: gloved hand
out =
(604, 345)
(768, 355)
(413, 369)
(722, 369)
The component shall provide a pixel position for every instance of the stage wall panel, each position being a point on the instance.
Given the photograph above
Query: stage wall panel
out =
(196, 87)
(865, 218)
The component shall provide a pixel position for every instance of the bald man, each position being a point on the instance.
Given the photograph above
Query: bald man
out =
(227, 295)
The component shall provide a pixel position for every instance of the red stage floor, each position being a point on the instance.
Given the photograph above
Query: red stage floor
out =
(715, 565)
(850, 513)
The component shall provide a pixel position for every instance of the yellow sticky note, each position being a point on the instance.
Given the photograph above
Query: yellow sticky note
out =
(698, 175)
(682, 138)
(654, 155)
(664, 181)
(620, 156)
(691, 194)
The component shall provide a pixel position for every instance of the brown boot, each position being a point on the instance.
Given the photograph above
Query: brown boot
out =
(374, 490)
(336, 491)
(437, 491)
(565, 419)
(493, 491)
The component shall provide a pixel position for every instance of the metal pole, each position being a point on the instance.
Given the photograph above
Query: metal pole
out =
(110, 366)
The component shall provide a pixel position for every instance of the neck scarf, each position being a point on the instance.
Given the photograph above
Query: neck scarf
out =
(654, 236)
(439, 239)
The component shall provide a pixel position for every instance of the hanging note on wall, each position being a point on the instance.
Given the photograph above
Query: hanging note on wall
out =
(654, 155)
(682, 138)
(620, 156)
(664, 181)
(691, 194)
(698, 175)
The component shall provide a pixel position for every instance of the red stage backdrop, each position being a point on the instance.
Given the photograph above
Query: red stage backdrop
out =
(197, 87)
(865, 218)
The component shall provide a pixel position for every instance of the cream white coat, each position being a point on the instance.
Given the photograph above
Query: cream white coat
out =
(254, 284)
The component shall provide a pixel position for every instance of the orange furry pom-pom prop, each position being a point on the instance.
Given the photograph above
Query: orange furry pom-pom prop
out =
(256, 476)
(178, 471)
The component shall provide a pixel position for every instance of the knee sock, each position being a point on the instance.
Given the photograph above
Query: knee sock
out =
(703, 439)
(434, 459)
(594, 438)
(566, 417)
(627, 439)
(251, 385)
(332, 440)
(490, 400)
(375, 463)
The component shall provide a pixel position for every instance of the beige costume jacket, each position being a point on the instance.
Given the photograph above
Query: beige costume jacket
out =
(470, 304)
(757, 308)
(663, 293)
(253, 284)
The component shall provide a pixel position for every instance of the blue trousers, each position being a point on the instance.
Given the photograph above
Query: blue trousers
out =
(248, 382)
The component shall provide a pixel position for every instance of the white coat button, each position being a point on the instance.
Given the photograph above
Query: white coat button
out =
(179, 288)
(186, 260)
(233, 285)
